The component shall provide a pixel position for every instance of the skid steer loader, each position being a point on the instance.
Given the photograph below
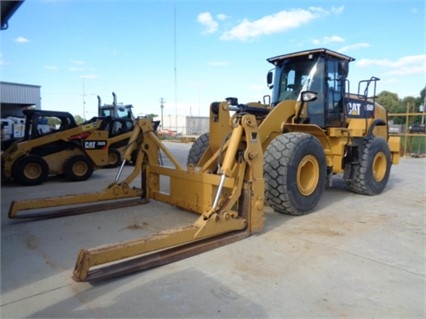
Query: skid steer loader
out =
(119, 132)
(71, 150)
(280, 152)
(118, 121)
(115, 110)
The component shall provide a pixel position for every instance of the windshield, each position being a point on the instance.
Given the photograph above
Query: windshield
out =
(123, 112)
(293, 77)
(310, 81)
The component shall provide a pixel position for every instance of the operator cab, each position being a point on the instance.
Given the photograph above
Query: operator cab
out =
(322, 72)
(42, 122)
(115, 110)
(121, 112)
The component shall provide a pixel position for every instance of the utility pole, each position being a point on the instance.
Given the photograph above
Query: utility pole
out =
(84, 99)
(406, 129)
(162, 101)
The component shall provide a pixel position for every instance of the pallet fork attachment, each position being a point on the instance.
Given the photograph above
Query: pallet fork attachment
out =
(229, 201)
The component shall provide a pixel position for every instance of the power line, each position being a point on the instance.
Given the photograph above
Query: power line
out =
(175, 61)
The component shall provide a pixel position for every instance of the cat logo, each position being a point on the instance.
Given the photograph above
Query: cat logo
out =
(94, 145)
(354, 108)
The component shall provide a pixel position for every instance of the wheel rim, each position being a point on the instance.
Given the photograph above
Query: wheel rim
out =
(307, 175)
(379, 167)
(79, 168)
(112, 158)
(32, 171)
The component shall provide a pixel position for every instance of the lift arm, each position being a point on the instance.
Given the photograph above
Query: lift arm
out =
(229, 201)
(236, 212)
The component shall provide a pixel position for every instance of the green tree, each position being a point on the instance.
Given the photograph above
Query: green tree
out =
(151, 115)
(421, 100)
(423, 93)
(53, 121)
(78, 119)
(410, 107)
(392, 103)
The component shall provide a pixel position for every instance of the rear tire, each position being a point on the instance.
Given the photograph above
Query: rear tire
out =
(114, 158)
(30, 170)
(78, 168)
(295, 173)
(371, 175)
(197, 149)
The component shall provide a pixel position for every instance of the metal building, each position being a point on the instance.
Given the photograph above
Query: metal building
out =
(197, 125)
(185, 125)
(14, 97)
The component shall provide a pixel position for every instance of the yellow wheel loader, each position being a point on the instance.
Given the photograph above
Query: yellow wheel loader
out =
(282, 152)
(62, 148)
(313, 129)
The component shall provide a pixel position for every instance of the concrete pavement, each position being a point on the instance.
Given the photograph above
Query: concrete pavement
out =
(353, 257)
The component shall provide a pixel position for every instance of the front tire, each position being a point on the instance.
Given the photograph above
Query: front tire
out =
(197, 149)
(371, 175)
(78, 168)
(295, 173)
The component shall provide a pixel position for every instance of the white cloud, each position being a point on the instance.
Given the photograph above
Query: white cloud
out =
(328, 39)
(77, 62)
(337, 10)
(333, 10)
(221, 16)
(413, 64)
(75, 69)
(354, 47)
(21, 40)
(208, 22)
(279, 22)
(77, 66)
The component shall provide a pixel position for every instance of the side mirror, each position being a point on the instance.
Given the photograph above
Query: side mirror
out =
(344, 68)
(309, 96)
(269, 79)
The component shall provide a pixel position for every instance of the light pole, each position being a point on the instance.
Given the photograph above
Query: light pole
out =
(162, 107)
(84, 99)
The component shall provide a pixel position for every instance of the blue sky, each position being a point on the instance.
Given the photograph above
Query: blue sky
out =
(193, 52)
